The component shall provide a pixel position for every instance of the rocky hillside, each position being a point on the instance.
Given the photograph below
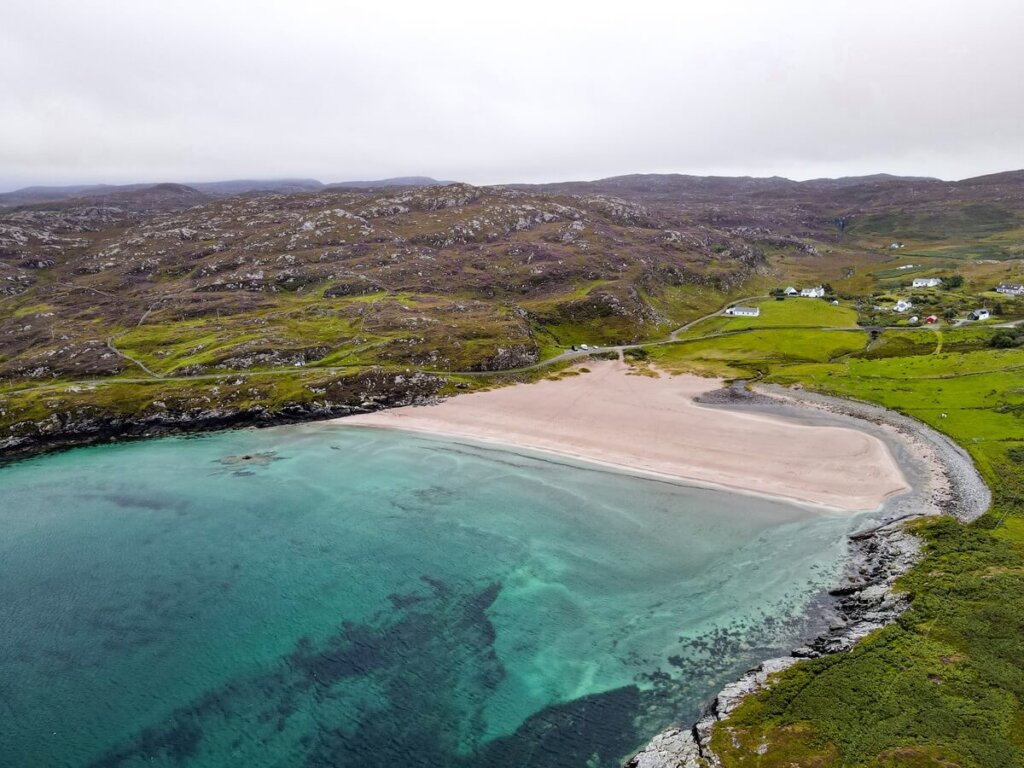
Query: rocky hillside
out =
(455, 277)
(114, 299)
(880, 203)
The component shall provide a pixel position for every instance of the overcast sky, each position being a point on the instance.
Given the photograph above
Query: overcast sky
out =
(490, 92)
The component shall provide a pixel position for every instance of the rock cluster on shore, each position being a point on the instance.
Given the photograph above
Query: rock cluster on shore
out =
(863, 603)
(361, 393)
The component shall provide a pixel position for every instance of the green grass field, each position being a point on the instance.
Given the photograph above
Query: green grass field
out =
(795, 312)
(746, 352)
(944, 685)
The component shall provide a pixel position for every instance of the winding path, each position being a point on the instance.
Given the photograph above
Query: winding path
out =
(673, 337)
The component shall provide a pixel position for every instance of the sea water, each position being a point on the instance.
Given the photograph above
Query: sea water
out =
(324, 595)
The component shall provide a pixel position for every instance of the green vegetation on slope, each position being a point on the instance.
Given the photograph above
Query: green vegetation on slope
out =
(748, 353)
(796, 312)
(977, 220)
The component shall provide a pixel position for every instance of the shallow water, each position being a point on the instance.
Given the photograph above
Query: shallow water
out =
(362, 597)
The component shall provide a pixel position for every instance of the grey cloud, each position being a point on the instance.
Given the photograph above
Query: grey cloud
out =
(491, 92)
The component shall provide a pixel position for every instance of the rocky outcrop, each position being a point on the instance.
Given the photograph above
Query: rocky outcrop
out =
(862, 603)
(88, 426)
(507, 358)
(672, 748)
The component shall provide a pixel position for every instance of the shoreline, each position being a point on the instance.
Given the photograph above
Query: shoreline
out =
(877, 557)
(371, 391)
(659, 426)
(865, 600)
(576, 459)
(940, 477)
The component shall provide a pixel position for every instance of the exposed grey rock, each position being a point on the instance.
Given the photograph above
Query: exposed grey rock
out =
(672, 748)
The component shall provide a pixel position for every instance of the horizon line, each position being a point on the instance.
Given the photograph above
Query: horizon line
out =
(370, 181)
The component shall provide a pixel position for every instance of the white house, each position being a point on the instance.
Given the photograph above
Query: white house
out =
(744, 311)
(903, 305)
(926, 282)
(1011, 289)
(979, 314)
(813, 293)
(791, 291)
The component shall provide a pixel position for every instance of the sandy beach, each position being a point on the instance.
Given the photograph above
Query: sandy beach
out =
(654, 425)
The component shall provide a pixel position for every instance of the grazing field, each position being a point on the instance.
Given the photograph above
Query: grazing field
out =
(744, 353)
(796, 312)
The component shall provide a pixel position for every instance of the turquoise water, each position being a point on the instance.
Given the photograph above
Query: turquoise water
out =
(362, 597)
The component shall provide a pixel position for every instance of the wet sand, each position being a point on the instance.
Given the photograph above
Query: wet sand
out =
(654, 425)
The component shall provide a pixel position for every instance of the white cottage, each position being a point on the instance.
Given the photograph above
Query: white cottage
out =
(743, 311)
(1011, 289)
(813, 293)
(926, 282)
(903, 305)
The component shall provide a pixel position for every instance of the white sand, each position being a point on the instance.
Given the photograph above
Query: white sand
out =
(653, 425)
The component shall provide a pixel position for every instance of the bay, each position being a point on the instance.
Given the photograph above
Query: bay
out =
(318, 595)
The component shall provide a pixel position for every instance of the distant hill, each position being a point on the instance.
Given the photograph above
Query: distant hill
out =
(133, 197)
(194, 282)
(243, 186)
(684, 186)
(43, 195)
(1009, 178)
(397, 181)
(39, 195)
(859, 181)
(671, 181)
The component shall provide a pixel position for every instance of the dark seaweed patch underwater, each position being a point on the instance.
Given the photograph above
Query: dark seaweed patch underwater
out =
(376, 599)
